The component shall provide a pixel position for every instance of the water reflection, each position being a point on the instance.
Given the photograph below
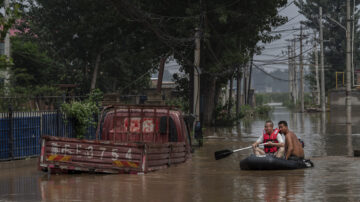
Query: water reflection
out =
(324, 134)
(349, 139)
(328, 141)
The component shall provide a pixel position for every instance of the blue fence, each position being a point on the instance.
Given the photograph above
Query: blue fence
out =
(20, 132)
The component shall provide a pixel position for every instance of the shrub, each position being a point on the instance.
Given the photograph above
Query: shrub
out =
(82, 112)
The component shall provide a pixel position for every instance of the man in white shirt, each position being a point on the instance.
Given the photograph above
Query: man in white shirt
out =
(274, 143)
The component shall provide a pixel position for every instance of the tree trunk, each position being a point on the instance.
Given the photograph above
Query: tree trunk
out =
(161, 73)
(245, 86)
(217, 94)
(238, 92)
(249, 84)
(96, 70)
(209, 98)
(230, 97)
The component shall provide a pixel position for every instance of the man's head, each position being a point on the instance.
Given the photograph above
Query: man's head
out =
(283, 127)
(269, 127)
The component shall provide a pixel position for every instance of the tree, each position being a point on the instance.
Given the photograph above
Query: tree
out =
(8, 18)
(32, 67)
(230, 32)
(88, 38)
(115, 44)
(335, 44)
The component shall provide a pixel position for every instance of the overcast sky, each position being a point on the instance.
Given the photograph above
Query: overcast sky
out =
(277, 50)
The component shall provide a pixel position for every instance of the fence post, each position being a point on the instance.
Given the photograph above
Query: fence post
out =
(57, 120)
(11, 136)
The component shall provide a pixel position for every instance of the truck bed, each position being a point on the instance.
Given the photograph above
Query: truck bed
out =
(59, 154)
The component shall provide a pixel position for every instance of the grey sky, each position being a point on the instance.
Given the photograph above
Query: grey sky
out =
(277, 50)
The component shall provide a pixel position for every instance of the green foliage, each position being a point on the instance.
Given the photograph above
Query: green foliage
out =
(263, 110)
(264, 98)
(335, 45)
(32, 66)
(95, 96)
(130, 37)
(261, 99)
(87, 30)
(246, 111)
(82, 112)
(289, 104)
(20, 97)
(13, 12)
(5, 62)
(181, 103)
(222, 118)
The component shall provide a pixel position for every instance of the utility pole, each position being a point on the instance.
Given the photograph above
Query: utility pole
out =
(249, 81)
(352, 42)
(230, 96)
(295, 90)
(245, 84)
(238, 90)
(7, 46)
(348, 64)
(290, 72)
(322, 74)
(160, 74)
(196, 107)
(316, 71)
(301, 72)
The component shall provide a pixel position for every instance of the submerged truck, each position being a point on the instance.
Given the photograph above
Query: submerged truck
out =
(129, 139)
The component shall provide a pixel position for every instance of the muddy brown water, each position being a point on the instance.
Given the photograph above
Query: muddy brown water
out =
(335, 177)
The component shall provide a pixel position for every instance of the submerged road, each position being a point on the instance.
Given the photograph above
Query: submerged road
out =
(335, 177)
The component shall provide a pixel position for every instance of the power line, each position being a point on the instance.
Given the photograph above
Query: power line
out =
(270, 75)
(286, 6)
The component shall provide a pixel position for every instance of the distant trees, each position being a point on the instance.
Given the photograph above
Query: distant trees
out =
(114, 45)
(334, 35)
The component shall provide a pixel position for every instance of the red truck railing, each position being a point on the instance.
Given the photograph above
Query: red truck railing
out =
(134, 139)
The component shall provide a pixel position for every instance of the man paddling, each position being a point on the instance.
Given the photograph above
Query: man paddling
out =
(272, 138)
(293, 146)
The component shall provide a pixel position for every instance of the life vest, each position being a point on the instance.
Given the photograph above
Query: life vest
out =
(272, 138)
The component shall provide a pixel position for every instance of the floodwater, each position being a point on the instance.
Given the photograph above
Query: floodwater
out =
(328, 142)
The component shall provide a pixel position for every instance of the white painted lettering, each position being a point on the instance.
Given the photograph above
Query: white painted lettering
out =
(77, 148)
(90, 152)
(114, 154)
(55, 148)
(128, 154)
(66, 150)
(103, 149)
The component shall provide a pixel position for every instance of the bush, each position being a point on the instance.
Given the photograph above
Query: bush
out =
(181, 103)
(20, 97)
(82, 112)
(263, 110)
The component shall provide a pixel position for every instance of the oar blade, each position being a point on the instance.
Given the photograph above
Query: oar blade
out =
(222, 154)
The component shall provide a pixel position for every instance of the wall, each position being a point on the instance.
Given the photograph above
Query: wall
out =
(337, 99)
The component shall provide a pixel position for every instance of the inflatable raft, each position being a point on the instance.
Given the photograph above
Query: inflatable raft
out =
(270, 162)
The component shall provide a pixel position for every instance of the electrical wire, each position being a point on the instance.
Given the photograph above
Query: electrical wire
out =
(270, 75)
(286, 6)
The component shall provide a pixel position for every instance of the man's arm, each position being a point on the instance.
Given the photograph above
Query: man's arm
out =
(280, 142)
(290, 146)
(258, 141)
(276, 144)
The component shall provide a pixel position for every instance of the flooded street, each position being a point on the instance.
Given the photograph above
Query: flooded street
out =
(329, 144)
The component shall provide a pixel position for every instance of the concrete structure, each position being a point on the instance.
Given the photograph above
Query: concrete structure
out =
(337, 99)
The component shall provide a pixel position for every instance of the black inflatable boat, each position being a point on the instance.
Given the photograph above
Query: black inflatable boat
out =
(270, 162)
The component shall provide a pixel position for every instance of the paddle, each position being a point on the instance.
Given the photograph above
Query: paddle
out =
(226, 152)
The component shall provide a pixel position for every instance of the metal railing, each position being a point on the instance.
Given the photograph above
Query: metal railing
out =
(20, 132)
